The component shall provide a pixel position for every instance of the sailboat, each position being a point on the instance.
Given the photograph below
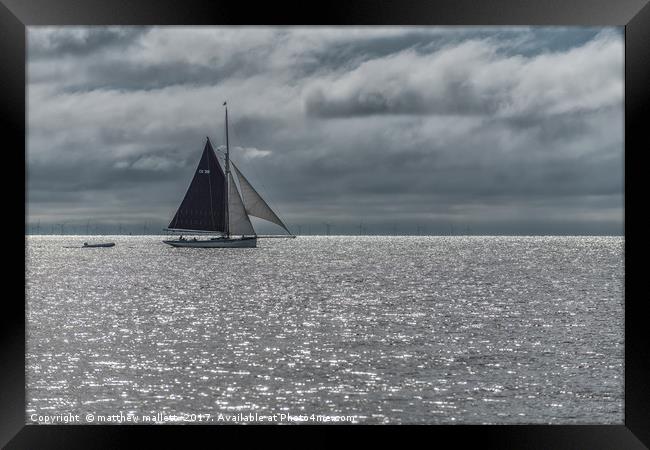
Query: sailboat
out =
(214, 205)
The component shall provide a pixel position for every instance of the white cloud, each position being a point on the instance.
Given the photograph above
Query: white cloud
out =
(251, 152)
(150, 163)
(475, 77)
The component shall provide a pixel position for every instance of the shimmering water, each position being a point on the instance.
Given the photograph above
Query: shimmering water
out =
(386, 329)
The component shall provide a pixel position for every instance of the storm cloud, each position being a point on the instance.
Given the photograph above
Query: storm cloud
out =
(510, 130)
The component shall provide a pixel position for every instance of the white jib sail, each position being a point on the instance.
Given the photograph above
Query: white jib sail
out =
(238, 220)
(254, 204)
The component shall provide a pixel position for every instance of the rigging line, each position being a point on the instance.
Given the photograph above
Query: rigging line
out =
(226, 168)
(236, 179)
(233, 131)
(223, 156)
(223, 161)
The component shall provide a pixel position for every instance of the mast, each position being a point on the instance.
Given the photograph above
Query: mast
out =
(227, 173)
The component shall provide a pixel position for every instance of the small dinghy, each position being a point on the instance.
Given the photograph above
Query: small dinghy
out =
(104, 244)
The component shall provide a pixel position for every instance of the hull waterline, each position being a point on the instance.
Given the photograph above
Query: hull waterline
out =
(250, 242)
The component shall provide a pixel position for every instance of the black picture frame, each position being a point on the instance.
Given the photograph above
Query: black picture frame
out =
(15, 15)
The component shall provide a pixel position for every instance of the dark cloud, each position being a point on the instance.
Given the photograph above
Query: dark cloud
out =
(504, 131)
(47, 42)
(458, 99)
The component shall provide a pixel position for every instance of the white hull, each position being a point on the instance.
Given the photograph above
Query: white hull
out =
(246, 242)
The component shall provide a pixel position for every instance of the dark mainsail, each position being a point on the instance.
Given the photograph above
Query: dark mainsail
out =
(204, 205)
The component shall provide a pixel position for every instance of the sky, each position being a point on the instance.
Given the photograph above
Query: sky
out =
(378, 130)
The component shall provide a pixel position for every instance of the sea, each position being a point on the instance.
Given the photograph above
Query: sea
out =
(327, 329)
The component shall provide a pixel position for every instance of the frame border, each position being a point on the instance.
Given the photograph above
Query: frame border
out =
(15, 15)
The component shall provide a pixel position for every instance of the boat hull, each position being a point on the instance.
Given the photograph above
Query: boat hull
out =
(246, 242)
(108, 244)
